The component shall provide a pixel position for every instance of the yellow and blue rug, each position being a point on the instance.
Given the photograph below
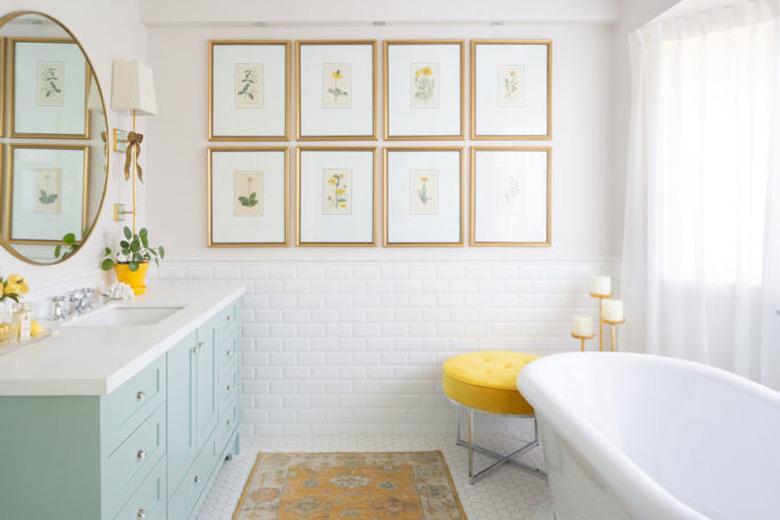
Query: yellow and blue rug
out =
(351, 486)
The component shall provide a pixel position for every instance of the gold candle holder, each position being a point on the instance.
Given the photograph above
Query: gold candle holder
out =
(601, 298)
(582, 339)
(613, 332)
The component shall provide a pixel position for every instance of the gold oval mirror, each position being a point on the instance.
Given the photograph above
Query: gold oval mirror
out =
(53, 140)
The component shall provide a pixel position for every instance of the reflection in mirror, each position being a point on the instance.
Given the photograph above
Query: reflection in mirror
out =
(54, 154)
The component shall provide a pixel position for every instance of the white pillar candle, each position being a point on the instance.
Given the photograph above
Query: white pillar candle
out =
(601, 285)
(613, 310)
(583, 326)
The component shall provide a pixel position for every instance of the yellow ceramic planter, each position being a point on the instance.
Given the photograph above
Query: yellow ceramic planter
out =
(135, 279)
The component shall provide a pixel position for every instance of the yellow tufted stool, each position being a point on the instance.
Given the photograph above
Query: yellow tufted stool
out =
(486, 382)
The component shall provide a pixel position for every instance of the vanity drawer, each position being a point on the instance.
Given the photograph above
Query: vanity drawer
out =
(148, 501)
(227, 387)
(129, 464)
(226, 322)
(124, 409)
(228, 422)
(185, 497)
(228, 350)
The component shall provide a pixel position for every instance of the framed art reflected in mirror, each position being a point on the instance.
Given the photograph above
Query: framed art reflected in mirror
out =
(49, 89)
(248, 192)
(47, 188)
(249, 90)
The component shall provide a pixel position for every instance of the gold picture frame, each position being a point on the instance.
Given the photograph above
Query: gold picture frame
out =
(210, 201)
(385, 171)
(473, 92)
(12, 92)
(374, 92)
(3, 62)
(473, 242)
(287, 44)
(8, 185)
(386, 92)
(374, 196)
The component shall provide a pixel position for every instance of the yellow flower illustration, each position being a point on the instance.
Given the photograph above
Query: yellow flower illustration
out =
(340, 191)
(426, 71)
(332, 181)
(336, 74)
(424, 179)
(342, 205)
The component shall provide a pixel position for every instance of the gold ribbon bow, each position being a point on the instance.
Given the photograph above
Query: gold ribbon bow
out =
(134, 140)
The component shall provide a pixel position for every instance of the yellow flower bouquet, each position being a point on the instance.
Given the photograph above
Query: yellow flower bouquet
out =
(13, 288)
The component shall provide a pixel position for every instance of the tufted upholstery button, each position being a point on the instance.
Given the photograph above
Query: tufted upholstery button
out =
(487, 381)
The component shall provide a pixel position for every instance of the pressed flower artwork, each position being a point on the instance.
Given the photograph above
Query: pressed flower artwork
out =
(511, 86)
(424, 85)
(248, 193)
(47, 194)
(336, 191)
(336, 85)
(50, 83)
(248, 88)
(423, 192)
(511, 191)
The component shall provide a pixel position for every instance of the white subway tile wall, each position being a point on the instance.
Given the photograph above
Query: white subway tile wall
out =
(356, 347)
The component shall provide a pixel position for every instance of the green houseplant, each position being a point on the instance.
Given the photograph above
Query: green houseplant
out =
(131, 261)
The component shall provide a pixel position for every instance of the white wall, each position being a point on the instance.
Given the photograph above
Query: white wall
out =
(353, 339)
(108, 30)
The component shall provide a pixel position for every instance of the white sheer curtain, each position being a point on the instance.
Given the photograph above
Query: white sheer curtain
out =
(701, 258)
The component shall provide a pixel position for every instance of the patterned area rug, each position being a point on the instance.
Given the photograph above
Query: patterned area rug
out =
(351, 486)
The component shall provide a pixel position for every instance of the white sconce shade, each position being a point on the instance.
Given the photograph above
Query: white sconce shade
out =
(132, 88)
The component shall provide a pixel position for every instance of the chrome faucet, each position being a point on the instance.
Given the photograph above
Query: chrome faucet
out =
(72, 304)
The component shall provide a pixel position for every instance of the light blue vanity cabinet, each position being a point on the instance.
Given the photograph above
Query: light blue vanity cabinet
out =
(148, 450)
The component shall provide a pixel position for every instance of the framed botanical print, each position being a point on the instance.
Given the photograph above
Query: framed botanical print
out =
(423, 197)
(336, 90)
(46, 192)
(2, 89)
(49, 81)
(336, 196)
(248, 194)
(511, 196)
(424, 84)
(511, 89)
(248, 90)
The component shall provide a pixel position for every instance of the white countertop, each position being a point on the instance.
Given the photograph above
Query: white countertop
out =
(97, 360)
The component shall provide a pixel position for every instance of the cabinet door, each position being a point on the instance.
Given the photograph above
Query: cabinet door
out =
(205, 382)
(182, 434)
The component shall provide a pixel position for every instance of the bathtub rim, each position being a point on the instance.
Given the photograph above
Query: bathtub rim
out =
(641, 496)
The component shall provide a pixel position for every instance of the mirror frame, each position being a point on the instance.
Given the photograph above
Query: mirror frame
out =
(106, 145)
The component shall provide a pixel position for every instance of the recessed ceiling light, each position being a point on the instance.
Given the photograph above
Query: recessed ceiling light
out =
(497, 22)
(379, 23)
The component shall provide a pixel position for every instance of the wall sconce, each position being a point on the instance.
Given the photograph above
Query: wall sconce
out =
(132, 89)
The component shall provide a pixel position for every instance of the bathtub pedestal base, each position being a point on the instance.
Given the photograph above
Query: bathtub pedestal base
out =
(501, 459)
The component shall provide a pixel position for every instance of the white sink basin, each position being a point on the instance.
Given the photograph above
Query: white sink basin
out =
(124, 316)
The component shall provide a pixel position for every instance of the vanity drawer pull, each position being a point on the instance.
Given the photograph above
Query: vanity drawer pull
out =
(197, 479)
(229, 353)
(228, 387)
(141, 514)
(229, 422)
(228, 317)
(140, 396)
(196, 348)
(141, 455)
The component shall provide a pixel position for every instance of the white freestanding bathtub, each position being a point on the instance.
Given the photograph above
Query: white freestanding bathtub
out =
(648, 437)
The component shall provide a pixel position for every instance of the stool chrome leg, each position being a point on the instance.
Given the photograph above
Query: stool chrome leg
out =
(471, 447)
